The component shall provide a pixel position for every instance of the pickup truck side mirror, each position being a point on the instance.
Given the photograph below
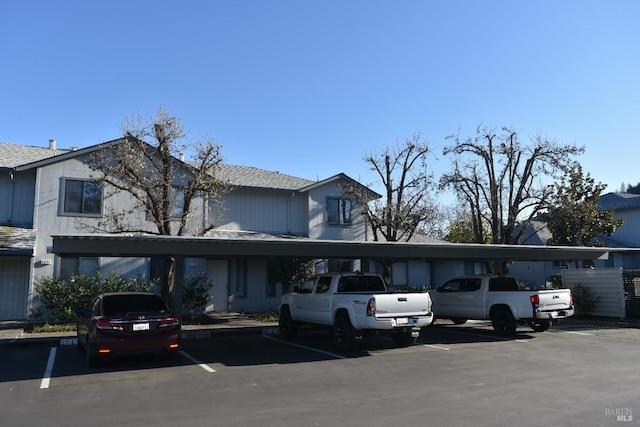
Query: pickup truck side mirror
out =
(439, 289)
(295, 288)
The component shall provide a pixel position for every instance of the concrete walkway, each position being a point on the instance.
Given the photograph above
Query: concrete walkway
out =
(12, 333)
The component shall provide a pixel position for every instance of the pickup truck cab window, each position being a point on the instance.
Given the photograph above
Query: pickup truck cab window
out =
(461, 285)
(324, 283)
(307, 287)
(361, 284)
(450, 286)
(497, 284)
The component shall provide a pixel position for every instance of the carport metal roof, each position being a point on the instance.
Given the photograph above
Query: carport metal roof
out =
(215, 247)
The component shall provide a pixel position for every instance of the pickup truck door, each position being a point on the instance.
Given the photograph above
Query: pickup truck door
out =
(320, 302)
(470, 298)
(460, 297)
(303, 300)
(444, 302)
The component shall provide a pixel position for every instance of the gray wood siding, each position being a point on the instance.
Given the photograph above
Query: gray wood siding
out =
(263, 211)
(256, 299)
(630, 231)
(14, 286)
(319, 227)
(17, 198)
(606, 284)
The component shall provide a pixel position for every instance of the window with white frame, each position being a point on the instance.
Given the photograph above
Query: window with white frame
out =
(338, 211)
(82, 197)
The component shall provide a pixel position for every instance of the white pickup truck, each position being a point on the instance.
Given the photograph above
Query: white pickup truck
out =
(499, 299)
(351, 304)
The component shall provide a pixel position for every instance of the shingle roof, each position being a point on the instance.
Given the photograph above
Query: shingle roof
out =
(13, 155)
(619, 201)
(248, 176)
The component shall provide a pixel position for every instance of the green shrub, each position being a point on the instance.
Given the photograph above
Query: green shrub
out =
(584, 300)
(195, 293)
(57, 300)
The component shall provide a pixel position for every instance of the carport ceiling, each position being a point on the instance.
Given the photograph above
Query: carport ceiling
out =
(207, 247)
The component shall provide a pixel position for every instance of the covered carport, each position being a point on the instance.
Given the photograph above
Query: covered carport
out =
(181, 247)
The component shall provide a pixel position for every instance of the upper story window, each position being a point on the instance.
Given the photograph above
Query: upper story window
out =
(82, 197)
(338, 211)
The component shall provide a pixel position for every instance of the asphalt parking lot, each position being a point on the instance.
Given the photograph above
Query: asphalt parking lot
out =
(453, 376)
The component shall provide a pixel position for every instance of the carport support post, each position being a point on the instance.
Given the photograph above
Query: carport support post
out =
(178, 281)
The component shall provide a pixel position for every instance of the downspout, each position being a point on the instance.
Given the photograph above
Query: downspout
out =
(12, 179)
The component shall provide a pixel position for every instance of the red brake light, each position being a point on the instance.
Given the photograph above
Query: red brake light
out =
(169, 321)
(535, 300)
(104, 323)
(371, 307)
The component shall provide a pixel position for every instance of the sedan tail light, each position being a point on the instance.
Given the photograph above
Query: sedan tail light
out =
(104, 323)
(169, 321)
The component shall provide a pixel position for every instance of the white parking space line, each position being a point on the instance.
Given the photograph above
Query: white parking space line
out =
(197, 362)
(337, 356)
(579, 333)
(436, 347)
(47, 372)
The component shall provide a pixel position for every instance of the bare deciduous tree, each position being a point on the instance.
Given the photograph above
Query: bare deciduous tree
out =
(406, 207)
(146, 167)
(501, 180)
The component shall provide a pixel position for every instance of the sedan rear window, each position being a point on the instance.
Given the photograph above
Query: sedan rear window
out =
(113, 304)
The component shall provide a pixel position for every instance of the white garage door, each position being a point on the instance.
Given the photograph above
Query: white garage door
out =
(14, 285)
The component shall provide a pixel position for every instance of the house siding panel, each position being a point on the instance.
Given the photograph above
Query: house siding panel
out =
(17, 196)
(277, 212)
(318, 219)
(606, 284)
(14, 285)
(630, 231)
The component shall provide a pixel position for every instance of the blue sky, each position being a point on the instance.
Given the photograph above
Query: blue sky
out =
(307, 88)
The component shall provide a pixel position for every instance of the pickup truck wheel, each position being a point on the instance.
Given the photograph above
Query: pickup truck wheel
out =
(540, 326)
(403, 339)
(503, 322)
(459, 320)
(286, 325)
(343, 334)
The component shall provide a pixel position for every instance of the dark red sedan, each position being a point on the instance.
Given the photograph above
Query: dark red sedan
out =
(127, 323)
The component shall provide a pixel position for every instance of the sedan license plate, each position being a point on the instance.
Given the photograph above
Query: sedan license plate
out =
(141, 326)
(402, 321)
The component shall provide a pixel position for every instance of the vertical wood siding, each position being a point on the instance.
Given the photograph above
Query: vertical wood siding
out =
(318, 224)
(16, 198)
(606, 284)
(14, 286)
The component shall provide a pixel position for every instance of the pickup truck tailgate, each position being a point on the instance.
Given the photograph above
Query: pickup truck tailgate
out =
(402, 304)
(559, 299)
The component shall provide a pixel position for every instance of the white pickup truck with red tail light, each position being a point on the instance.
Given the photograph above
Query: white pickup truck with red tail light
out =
(353, 304)
(500, 299)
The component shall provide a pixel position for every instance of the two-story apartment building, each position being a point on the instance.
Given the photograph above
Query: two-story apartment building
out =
(49, 191)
